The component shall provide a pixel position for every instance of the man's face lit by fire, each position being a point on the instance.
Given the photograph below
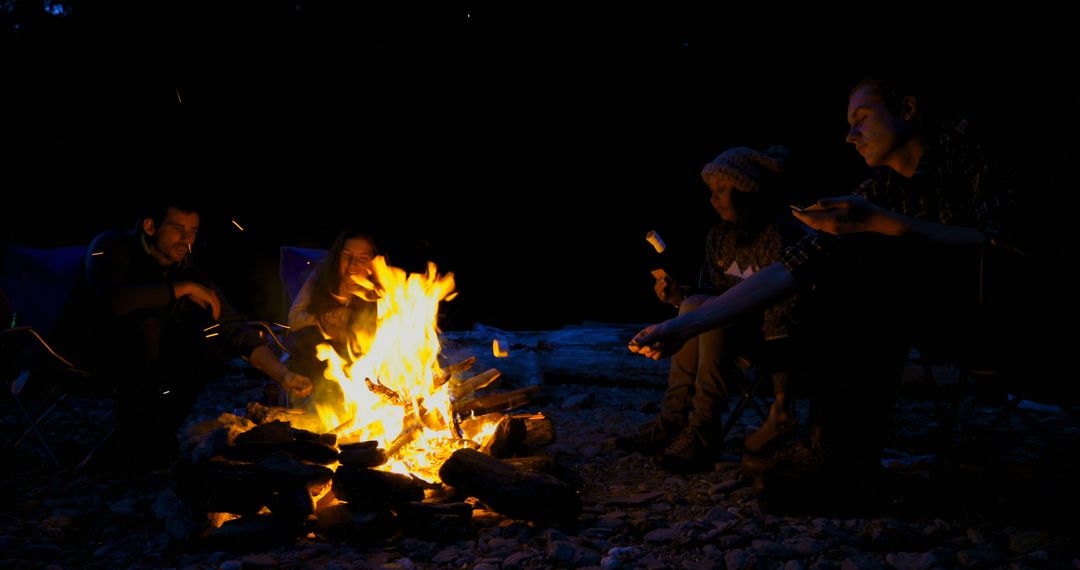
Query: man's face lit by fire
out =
(875, 130)
(173, 239)
(356, 258)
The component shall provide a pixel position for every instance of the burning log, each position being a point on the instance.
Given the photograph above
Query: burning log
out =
(299, 419)
(539, 431)
(466, 388)
(496, 402)
(409, 431)
(453, 369)
(385, 393)
(514, 493)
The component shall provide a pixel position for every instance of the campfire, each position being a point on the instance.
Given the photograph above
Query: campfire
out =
(409, 441)
(396, 393)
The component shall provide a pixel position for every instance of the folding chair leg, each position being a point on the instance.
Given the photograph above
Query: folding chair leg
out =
(90, 455)
(40, 418)
(746, 400)
(749, 396)
(33, 424)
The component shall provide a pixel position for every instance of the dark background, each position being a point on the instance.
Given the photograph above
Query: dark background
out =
(528, 149)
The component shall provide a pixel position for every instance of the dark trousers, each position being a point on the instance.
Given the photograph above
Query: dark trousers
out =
(158, 362)
(860, 321)
(703, 369)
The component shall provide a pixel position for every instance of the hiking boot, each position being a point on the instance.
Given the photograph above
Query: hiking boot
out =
(688, 451)
(813, 478)
(755, 464)
(779, 426)
(650, 438)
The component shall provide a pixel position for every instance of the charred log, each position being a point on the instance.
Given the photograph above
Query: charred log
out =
(369, 489)
(262, 441)
(293, 504)
(439, 522)
(532, 464)
(514, 493)
(507, 438)
(244, 488)
(344, 523)
(363, 454)
(222, 486)
(253, 533)
(539, 431)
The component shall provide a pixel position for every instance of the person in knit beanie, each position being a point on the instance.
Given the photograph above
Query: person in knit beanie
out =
(746, 169)
(746, 191)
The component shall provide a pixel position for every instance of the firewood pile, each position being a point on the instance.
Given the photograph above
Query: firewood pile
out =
(263, 480)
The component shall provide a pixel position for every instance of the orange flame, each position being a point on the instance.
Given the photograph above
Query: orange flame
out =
(500, 349)
(389, 391)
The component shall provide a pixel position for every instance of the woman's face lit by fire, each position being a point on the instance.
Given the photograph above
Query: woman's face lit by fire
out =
(356, 256)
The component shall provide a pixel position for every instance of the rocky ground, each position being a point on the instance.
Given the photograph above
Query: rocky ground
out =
(989, 493)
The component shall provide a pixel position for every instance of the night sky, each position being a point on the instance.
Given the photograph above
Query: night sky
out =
(527, 149)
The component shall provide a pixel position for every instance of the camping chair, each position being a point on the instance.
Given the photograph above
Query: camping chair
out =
(34, 287)
(776, 356)
(16, 347)
(295, 265)
(996, 338)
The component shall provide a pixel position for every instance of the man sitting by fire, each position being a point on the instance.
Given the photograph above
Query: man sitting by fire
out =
(333, 307)
(163, 328)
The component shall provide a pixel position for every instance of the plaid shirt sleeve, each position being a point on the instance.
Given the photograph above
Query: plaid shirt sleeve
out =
(990, 187)
(956, 183)
(804, 255)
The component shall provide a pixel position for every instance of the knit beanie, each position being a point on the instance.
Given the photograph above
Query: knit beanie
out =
(748, 169)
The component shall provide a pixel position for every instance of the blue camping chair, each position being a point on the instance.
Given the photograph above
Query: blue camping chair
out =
(295, 266)
(34, 287)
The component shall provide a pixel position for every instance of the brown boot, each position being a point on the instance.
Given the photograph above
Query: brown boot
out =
(778, 426)
(829, 475)
(689, 451)
(650, 438)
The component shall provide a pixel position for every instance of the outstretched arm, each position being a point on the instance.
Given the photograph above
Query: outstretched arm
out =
(664, 339)
(263, 359)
